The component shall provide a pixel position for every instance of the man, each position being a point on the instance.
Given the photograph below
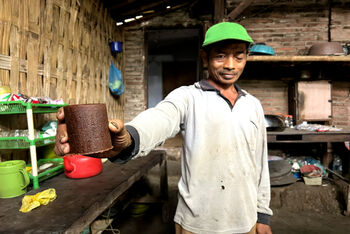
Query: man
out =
(224, 187)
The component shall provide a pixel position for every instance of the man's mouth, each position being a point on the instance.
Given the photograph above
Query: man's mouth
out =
(228, 76)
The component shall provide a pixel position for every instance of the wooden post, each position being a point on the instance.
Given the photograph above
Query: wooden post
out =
(239, 9)
(327, 156)
(163, 177)
(347, 212)
(14, 52)
(219, 11)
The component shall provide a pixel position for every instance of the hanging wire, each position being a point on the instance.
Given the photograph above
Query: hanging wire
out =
(109, 222)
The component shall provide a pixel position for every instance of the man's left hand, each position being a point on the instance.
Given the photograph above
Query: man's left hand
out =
(263, 229)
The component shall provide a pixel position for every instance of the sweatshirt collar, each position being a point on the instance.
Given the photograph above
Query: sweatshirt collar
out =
(206, 86)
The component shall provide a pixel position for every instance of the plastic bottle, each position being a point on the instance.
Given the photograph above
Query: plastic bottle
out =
(290, 119)
(337, 165)
(286, 120)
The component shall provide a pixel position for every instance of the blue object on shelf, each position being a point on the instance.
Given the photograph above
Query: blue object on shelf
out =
(297, 175)
(116, 46)
(261, 49)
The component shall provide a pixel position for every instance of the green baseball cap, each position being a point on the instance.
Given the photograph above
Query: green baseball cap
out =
(225, 31)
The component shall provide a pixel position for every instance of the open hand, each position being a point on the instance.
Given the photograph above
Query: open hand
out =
(121, 139)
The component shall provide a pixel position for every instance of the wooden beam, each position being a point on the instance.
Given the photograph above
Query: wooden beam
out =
(113, 5)
(137, 8)
(219, 10)
(239, 9)
(150, 16)
(347, 200)
(298, 58)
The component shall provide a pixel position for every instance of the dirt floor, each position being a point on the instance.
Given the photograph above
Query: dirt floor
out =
(297, 209)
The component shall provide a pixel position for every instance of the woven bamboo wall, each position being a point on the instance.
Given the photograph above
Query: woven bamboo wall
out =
(59, 49)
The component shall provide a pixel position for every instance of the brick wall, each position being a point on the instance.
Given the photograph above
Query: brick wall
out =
(340, 24)
(292, 28)
(134, 73)
(273, 94)
(289, 33)
(341, 104)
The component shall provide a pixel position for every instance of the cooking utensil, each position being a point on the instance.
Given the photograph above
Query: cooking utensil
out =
(274, 123)
(261, 49)
(79, 166)
(327, 48)
(281, 173)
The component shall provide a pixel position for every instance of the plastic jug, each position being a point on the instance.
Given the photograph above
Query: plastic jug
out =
(13, 178)
(79, 166)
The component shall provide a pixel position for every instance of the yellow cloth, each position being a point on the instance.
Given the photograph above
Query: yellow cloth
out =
(30, 202)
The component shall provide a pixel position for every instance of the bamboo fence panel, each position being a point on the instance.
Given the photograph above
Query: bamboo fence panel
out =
(59, 49)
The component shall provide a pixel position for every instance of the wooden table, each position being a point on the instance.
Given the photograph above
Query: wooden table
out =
(290, 135)
(79, 201)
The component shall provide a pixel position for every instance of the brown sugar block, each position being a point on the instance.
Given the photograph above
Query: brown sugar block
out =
(87, 128)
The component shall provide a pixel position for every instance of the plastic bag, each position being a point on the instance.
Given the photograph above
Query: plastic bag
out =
(30, 202)
(115, 82)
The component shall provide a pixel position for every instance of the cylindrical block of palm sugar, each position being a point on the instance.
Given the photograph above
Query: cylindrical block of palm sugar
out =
(87, 128)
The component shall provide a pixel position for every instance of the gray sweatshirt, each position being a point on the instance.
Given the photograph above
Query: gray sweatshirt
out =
(224, 187)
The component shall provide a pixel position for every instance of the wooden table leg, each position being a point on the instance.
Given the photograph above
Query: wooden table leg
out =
(327, 155)
(163, 177)
(164, 188)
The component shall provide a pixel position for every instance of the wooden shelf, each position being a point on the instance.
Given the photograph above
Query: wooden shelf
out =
(21, 107)
(266, 58)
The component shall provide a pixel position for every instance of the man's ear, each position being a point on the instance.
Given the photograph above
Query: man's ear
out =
(205, 58)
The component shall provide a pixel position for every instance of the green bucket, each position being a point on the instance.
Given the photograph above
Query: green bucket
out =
(13, 178)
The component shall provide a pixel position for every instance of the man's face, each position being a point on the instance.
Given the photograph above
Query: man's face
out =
(226, 61)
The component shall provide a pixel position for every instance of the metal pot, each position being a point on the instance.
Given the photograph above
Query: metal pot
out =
(274, 123)
(327, 48)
